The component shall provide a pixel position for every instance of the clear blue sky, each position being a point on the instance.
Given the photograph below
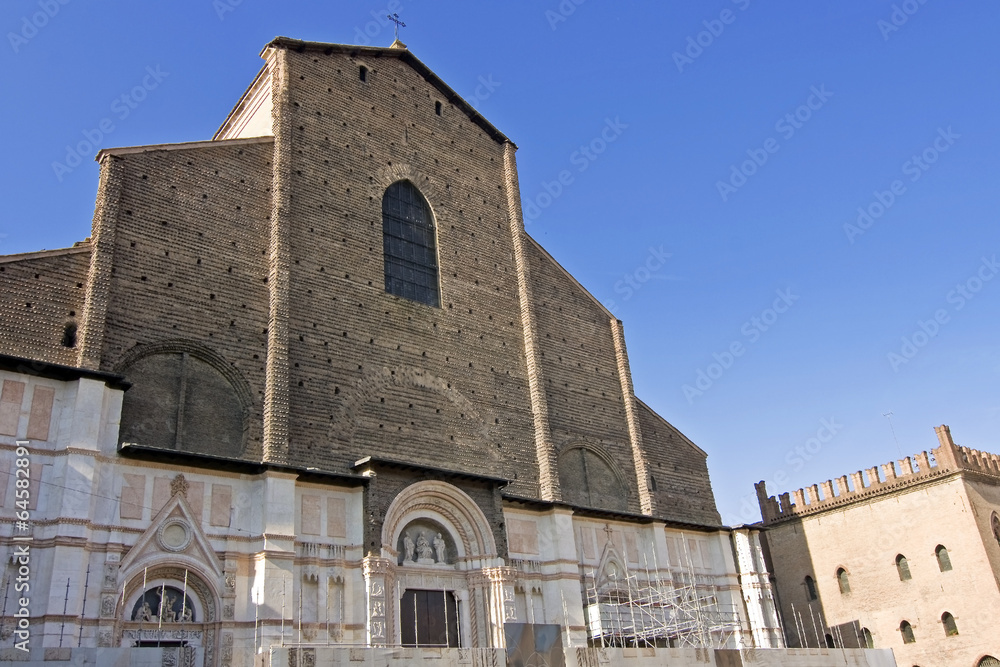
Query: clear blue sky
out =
(880, 94)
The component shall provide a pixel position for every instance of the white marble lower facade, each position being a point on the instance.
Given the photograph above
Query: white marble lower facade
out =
(119, 550)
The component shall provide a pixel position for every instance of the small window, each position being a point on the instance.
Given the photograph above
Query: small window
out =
(829, 641)
(995, 522)
(903, 568)
(437, 108)
(811, 589)
(363, 73)
(652, 483)
(943, 559)
(950, 629)
(69, 335)
(906, 630)
(843, 581)
(866, 637)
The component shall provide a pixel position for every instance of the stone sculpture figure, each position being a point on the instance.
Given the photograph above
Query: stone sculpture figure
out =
(439, 548)
(408, 546)
(145, 613)
(424, 551)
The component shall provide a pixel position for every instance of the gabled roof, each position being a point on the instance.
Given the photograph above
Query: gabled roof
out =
(402, 54)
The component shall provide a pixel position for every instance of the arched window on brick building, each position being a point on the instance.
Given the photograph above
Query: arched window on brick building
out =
(943, 559)
(950, 628)
(906, 630)
(811, 593)
(903, 568)
(843, 581)
(409, 244)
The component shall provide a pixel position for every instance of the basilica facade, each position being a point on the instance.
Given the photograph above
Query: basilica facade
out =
(309, 385)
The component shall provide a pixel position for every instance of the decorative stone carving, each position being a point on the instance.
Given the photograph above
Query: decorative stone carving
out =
(426, 542)
(228, 612)
(104, 638)
(175, 535)
(179, 486)
(110, 576)
(108, 606)
(378, 579)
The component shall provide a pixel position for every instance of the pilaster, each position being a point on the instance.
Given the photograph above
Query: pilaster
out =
(548, 473)
(646, 501)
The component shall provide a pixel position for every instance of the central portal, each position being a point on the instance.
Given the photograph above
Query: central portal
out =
(429, 618)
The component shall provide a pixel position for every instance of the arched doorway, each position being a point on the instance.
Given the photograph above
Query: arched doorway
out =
(172, 608)
(439, 581)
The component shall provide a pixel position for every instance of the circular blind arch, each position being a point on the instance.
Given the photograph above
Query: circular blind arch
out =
(178, 401)
(586, 479)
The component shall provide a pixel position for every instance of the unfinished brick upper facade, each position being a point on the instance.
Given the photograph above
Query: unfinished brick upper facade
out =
(264, 256)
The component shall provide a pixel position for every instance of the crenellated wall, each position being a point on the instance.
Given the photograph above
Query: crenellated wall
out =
(891, 476)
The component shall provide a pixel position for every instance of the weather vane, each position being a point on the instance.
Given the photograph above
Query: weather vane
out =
(395, 19)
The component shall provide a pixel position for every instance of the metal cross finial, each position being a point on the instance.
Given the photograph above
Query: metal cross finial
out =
(395, 19)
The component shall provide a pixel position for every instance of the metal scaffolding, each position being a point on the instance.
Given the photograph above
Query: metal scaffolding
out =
(638, 609)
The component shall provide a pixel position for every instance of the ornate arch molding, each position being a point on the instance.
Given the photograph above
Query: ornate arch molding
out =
(402, 171)
(200, 352)
(441, 501)
(370, 386)
(197, 582)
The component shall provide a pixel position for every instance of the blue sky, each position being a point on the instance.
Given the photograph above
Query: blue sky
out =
(740, 140)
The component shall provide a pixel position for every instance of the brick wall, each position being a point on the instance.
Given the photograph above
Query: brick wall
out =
(40, 294)
(683, 488)
(189, 263)
(263, 257)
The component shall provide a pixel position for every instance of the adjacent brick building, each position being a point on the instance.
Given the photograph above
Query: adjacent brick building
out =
(903, 556)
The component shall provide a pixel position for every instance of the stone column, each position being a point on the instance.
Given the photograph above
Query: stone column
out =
(379, 575)
(499, 602)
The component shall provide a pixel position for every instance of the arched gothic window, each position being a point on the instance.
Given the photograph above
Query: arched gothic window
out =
(943, 559)
(811, 588)
(843, 581)
(409, 245)
(866, 636)
(906, 630)
(995, 523)
(950, 628)
(903, 568)
(988, 661)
